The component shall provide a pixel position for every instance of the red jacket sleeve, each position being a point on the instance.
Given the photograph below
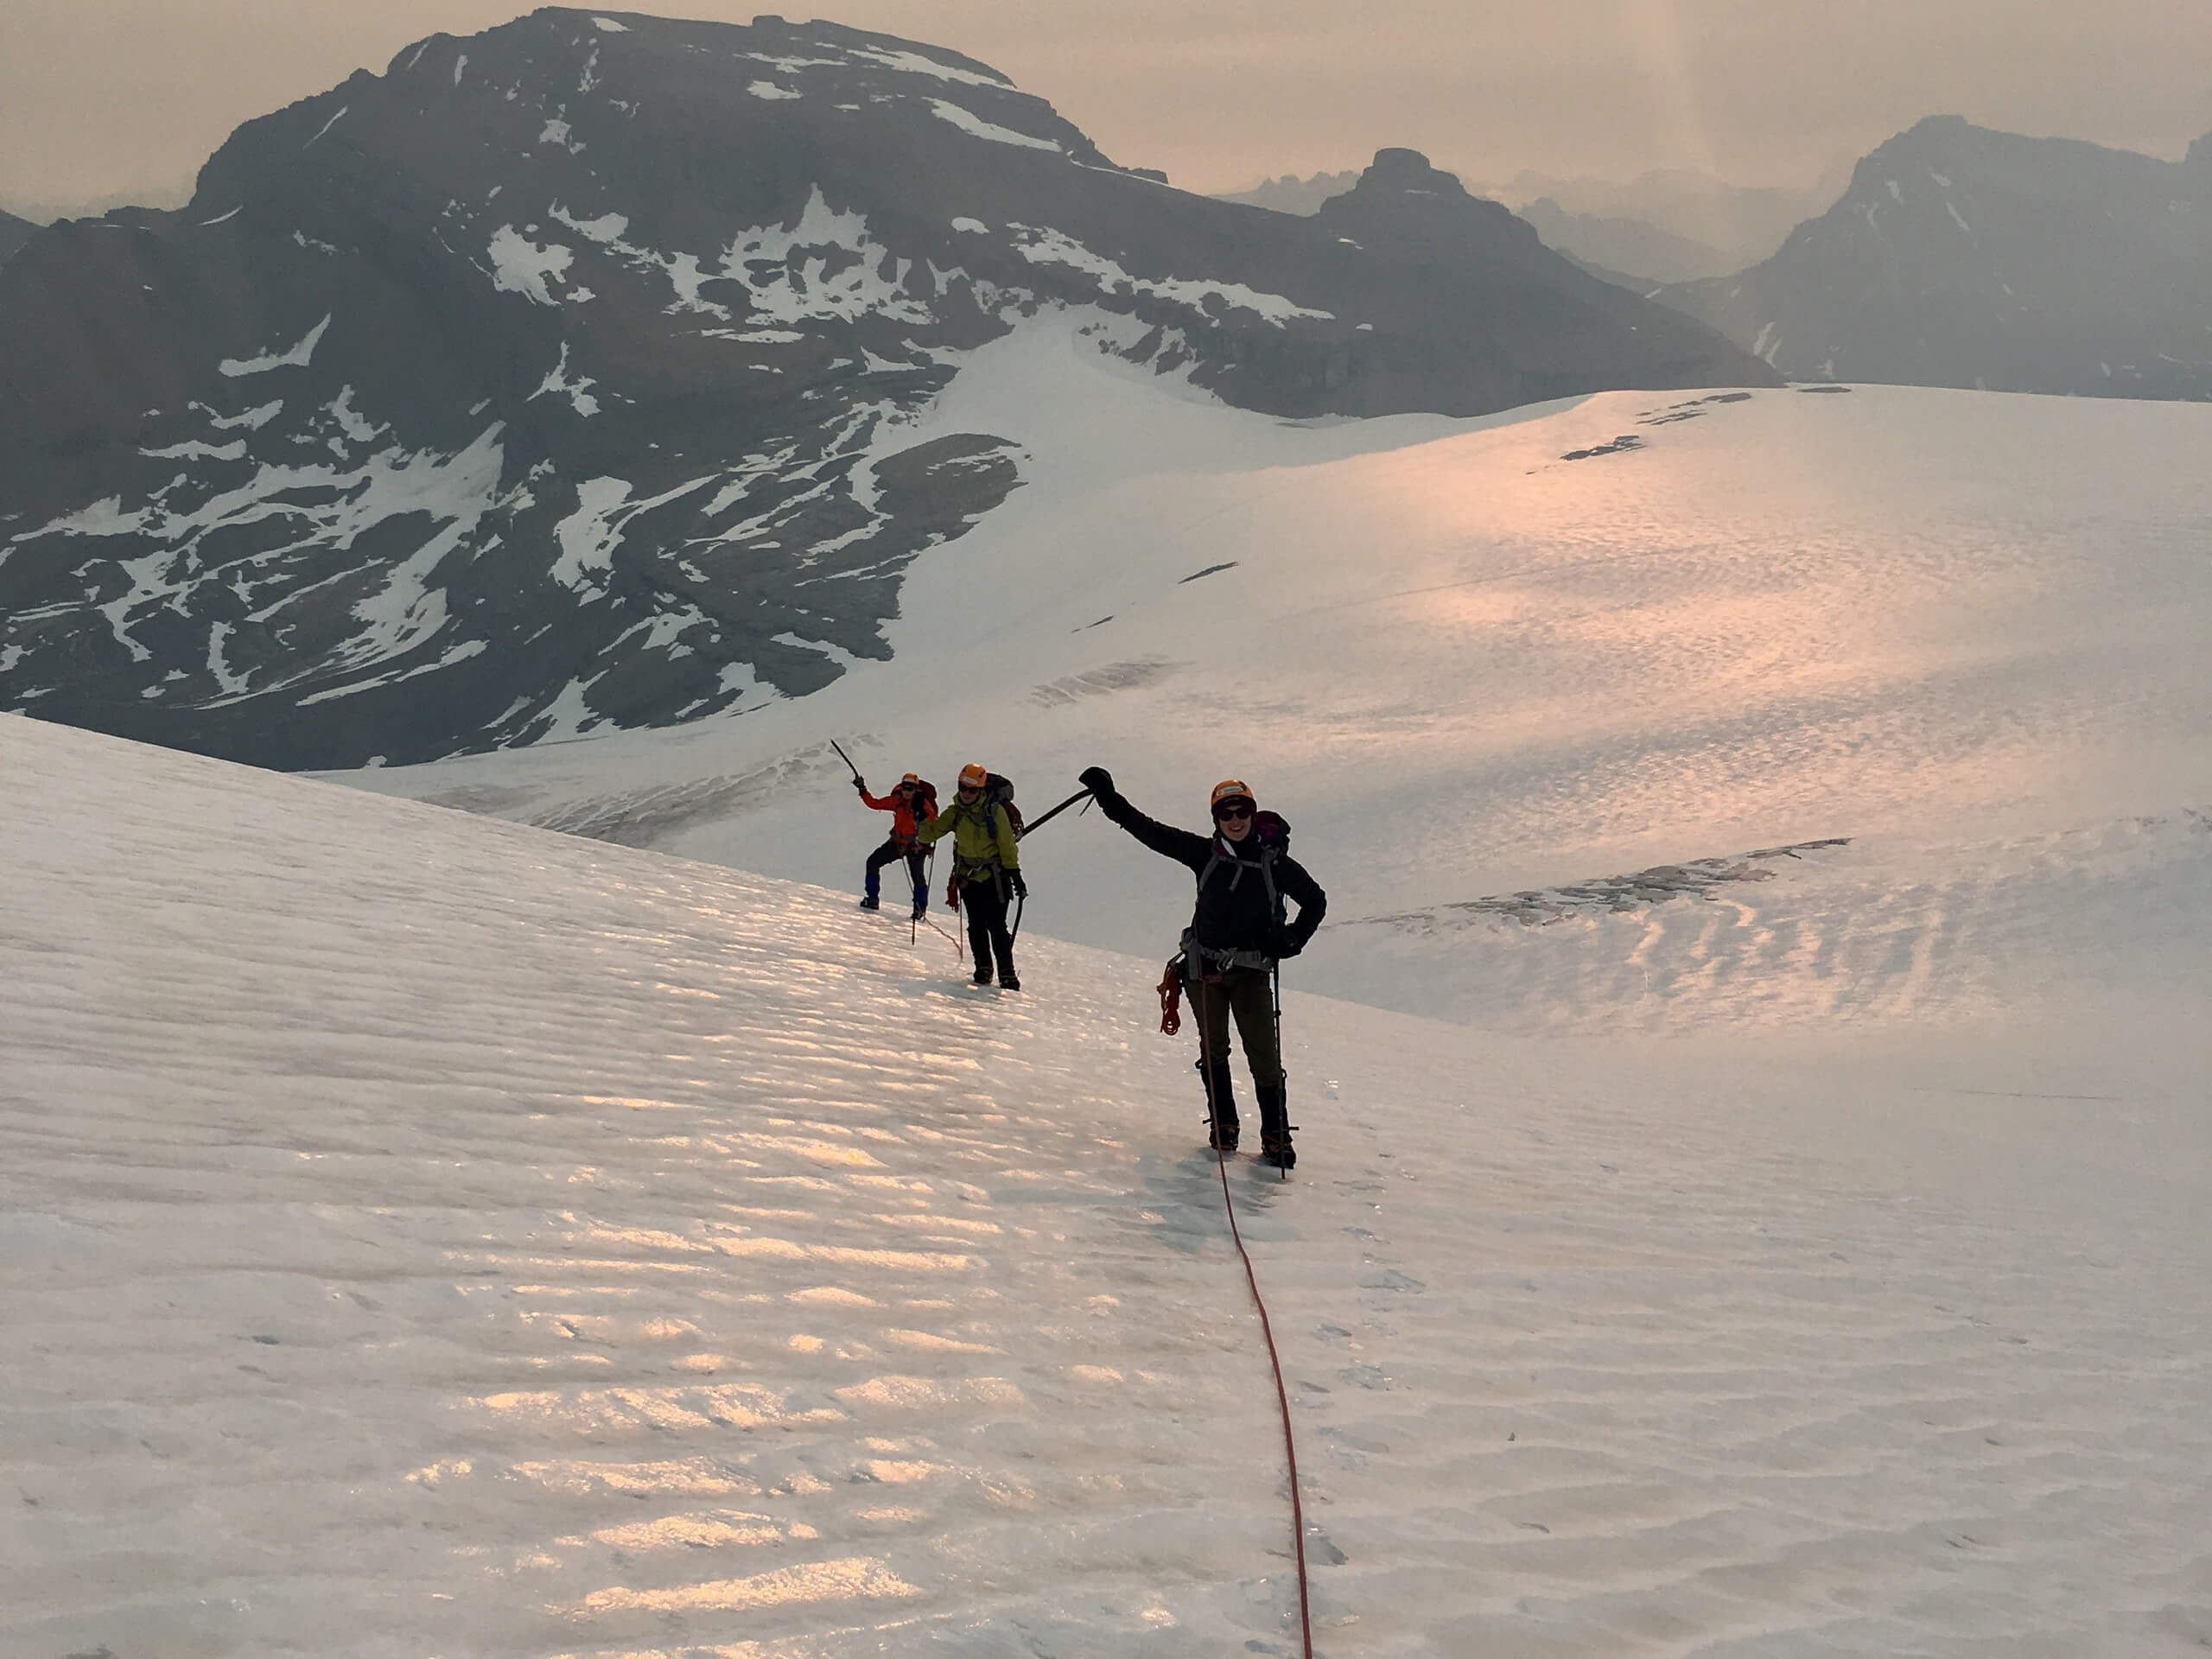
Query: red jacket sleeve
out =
(885, 803)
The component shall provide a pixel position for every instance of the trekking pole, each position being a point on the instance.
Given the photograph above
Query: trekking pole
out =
(1038, 824)
(846, 759)
(1275, 978)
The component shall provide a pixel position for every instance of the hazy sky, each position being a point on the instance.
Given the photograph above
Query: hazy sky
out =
(106, 96)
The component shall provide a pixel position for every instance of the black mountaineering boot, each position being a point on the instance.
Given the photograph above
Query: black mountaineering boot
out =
(1221, 1096)
(1275, 1129)
(1008, 980)
(871, 902)
(982, 975)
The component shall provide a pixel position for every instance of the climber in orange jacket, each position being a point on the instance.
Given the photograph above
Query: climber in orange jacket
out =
(913, 802)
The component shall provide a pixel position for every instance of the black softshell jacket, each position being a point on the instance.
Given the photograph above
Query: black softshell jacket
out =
(1234, 911)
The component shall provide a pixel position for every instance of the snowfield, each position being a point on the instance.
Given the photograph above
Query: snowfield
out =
(426, 1235)
(1968, 634)
(1755, 1144)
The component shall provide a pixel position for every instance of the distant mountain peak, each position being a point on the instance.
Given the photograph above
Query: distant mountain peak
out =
(1964, 256)
(1401, 194)
(1408, 172)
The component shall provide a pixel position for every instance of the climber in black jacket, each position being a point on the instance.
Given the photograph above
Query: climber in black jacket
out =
(1239, 935)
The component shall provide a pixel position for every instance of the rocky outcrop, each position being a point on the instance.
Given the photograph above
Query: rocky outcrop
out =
(1961, 256)
(562, 377)
(1505, 319)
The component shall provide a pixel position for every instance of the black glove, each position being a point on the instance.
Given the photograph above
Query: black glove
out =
(859, 786)
(1291, 948)
(1097, 779)
(1021, 887)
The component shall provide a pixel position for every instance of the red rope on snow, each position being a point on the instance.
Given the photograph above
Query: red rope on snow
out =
(1282, 1399)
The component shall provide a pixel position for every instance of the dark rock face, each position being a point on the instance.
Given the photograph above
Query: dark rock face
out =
(1965, 257)
(14, 232)
(1509, 321)
(562, 377)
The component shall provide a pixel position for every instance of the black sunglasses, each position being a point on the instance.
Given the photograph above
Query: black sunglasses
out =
(1222, 815)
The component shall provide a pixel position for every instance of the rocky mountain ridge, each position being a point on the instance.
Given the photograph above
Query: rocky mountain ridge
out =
(1964, 257)
(1291, 194)
(1628, 251)
(556, 378)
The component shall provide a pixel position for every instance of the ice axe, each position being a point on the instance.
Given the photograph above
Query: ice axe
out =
(846, 759)
(1037, 823)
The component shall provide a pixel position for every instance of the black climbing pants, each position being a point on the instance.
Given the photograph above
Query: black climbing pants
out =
(984, 902)
(890, 852)
(1249, 992)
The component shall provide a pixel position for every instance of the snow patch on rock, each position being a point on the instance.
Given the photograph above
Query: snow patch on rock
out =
(520, 266)
(298, 356)
(915, 63)
(1051, 247)
(577, 390)
(252, 419)
(969, 122)
(193, 449)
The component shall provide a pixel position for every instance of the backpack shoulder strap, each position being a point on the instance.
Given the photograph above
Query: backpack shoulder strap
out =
(1213, 863)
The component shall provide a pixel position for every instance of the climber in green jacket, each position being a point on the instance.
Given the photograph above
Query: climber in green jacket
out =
(986, 870)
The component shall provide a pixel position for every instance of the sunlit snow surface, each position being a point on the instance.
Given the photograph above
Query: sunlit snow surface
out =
(427, 1234)
(424, 1235)
(1968, 634)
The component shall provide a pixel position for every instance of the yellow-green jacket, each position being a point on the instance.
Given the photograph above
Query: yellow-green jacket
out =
(982, 838)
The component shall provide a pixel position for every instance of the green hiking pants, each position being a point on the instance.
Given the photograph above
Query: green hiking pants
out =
(1249, 992)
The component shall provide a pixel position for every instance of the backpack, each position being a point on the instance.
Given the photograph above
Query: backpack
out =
(999, 792)
(1272, 831)
(925, 801)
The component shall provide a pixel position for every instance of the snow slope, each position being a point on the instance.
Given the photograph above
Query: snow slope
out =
(425, 1235)
(1968, 634)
